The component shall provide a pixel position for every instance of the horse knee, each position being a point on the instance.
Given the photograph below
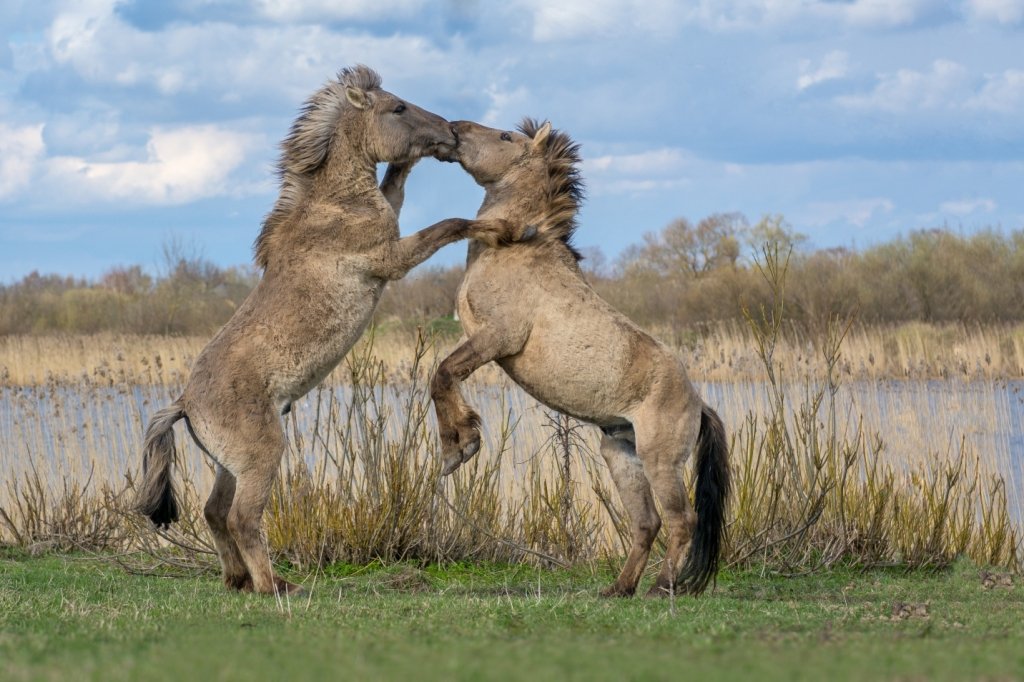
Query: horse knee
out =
(215, 516)
(648, 527)
(682, 527)
(243, 524)
(441, 383)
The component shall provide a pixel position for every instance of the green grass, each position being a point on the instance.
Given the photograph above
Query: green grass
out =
(70, 616)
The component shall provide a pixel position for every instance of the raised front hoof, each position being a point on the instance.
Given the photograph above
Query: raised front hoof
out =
(460, 452)
(616, 591)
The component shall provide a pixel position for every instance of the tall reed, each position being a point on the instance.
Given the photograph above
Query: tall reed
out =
(826, 470)
(811, 491)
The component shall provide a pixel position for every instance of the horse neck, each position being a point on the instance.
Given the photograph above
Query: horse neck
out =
(521, 208)
(348, 177)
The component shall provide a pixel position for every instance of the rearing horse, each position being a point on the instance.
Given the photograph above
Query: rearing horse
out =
(528, 307)
(327, 249)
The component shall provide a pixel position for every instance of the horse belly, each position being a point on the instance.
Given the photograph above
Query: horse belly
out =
(578, 379)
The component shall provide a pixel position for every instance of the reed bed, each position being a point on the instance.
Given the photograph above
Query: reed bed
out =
(909, 476)
(721, 352)
(828, 467)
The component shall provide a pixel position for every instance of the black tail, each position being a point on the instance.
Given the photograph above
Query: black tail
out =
(711, 497)
(155, 496)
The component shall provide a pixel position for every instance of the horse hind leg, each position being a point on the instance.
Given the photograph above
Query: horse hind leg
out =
(635, 492)
(663, 449)
(235, 574)
(254, 472)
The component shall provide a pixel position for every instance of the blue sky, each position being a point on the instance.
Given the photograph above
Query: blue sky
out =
(124, 124)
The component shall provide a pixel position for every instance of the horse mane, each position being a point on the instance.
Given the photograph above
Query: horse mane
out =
(564, 191)
(307, 145)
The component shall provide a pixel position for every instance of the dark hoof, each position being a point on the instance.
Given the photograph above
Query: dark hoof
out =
(451, 465)
(284, 587)
(616, 592)
(471, 448)
(239, 583)
(460, 450)
(661, 592)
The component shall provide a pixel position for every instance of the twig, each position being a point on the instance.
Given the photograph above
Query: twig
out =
(514, 545)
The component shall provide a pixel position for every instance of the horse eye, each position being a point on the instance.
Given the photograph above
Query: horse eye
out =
(506, 136)
(400, 108)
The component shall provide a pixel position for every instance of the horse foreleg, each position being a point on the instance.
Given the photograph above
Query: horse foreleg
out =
(458, 424)
(392, 260)
(395, 259)
(393, 184)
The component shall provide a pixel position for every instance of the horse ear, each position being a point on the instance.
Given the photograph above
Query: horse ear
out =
(356, 97)
(540, 139)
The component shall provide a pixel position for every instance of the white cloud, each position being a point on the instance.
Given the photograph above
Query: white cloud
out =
(964, 207)
(248, 59)
(20, 150)
(999, 11)
(834, 65)
(571, 19)
(881, 13)
(506, 106)
(177, 166)
(856, 212)
(1002, 93)
(649, 171)
(319, 10)
(946, 85)
(654, 162)
(180, 165)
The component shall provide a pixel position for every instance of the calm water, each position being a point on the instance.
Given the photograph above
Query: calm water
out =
(78, 432)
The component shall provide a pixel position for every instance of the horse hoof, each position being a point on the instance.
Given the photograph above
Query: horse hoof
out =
(616, 592)
(238, 583)
(450, 465)
(471, 449)
(283, 587)
(658, 592)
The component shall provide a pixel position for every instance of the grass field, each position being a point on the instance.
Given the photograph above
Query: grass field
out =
(74, 617)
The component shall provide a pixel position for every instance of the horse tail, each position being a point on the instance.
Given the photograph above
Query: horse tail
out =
(155, 496)
(712, 494)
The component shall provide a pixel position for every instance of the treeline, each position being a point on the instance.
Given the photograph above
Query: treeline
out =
(190, 295)
(705, 272)
(686, 274)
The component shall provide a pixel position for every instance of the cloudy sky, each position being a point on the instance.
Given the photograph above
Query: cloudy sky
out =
(124, 124)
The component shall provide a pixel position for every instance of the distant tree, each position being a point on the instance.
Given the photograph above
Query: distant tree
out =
(129, 280)
(684, 249)
(774, 230)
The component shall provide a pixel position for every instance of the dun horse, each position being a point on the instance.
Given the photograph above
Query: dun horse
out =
(527, 307)
(327, 249)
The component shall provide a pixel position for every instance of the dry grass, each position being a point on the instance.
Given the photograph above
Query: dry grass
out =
(720, 352)
(827, 470)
